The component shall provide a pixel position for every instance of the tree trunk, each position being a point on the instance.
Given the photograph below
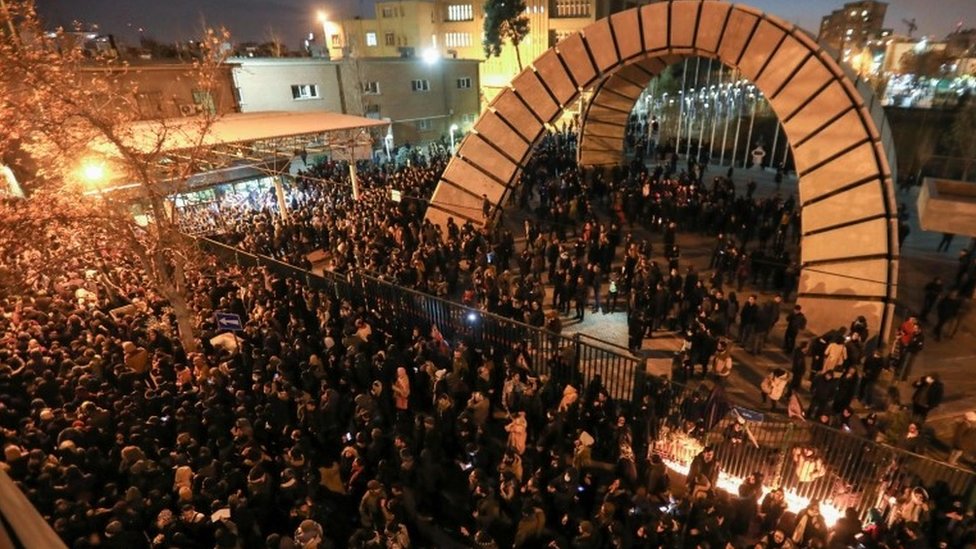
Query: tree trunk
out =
(518, 57)
(184, 321)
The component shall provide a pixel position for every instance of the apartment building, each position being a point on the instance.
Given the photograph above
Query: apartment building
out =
(454, 29)
(421, 99)
(854, 25)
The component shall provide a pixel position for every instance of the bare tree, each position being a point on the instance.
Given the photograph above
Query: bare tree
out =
(81, 128)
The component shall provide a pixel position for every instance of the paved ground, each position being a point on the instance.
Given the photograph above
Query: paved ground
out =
(919, 263)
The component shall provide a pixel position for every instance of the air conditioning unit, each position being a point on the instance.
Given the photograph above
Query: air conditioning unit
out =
(188, 110)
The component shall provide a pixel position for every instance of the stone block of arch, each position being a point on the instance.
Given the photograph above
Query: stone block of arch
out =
(840, 139)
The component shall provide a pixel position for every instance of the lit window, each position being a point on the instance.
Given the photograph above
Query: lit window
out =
(457, 39)
(305, 91)
(464, 83)
(371, 39)
(572, 8)
(420, 85)
(460, 12)
(371, 88)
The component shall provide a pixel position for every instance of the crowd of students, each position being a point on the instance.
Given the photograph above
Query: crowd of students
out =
(327, 423)
(584, 261)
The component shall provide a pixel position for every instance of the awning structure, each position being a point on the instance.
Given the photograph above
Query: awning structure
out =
(266, 141)
(183, 134)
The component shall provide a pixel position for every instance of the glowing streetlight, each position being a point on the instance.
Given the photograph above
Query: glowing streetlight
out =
(430, 56)
(93, 173)
(388, 143)
(453, 128)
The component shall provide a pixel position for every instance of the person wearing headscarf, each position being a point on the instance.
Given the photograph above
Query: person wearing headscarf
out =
(810, 525)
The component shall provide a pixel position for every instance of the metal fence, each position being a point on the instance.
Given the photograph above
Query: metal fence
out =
(856, 472)
(809, 460)
(577, 359)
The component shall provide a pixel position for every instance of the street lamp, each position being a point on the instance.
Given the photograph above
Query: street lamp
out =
(93, 173)
(430, 55)
(388, 142)
(453, 128)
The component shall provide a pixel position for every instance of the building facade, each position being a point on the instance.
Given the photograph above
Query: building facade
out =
(162, 89)
(455, 29)
(421, 99)
(296, 84)
(853, 26)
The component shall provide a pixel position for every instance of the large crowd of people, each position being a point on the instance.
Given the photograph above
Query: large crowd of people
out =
(329, 423)
(585, 262)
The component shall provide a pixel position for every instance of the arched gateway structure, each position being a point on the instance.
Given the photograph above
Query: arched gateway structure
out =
(840, 139)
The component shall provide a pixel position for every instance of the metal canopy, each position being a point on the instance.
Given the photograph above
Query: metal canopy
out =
(173, 135)
(263, 140)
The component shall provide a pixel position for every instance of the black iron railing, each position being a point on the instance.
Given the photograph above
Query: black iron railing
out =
(579, 357)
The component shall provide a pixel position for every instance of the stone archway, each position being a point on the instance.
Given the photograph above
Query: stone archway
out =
(837, 131)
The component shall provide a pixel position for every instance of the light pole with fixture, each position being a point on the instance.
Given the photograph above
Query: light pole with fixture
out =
(388, 143)
(453, 128)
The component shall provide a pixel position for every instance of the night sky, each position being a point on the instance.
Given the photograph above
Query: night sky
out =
(253, 20)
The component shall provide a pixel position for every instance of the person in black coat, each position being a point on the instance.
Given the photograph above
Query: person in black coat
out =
(771, 510)
(635, 329)
(946, 310)
(799, 366)
(796, 321)
(747, 321)
(846, 389)
(818, 352)
(580, 293)
(873, 365)
(929, 392)
(746, 504)
(822, 393)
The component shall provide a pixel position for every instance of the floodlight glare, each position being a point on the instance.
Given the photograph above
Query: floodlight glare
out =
(93, 172)
(429, 56)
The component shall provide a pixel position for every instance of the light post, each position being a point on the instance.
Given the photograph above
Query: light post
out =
(453, 128)
(388, 143)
